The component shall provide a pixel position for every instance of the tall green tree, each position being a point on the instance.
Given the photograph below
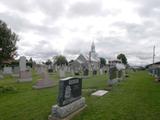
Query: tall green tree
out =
(123, 58)
(102, 62)
(60, 60)
(48, 62)
(8, 40)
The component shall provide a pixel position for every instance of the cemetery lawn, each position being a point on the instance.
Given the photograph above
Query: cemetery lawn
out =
(136, 98)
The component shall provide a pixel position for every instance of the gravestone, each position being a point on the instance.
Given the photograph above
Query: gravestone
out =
(112, 75)
(101, 71)
(85, 72)
(16, 71)
(7, 70)
(25, 75)
(120, 75)
(70, 100)
(94, 72)
(61, 73)
(45, 82)
(39, 69)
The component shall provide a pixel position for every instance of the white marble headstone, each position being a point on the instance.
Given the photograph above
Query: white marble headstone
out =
(61, 73)
(7, 70)
(22, 63)
(101, 71)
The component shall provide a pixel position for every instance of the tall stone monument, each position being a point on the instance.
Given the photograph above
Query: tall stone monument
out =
(24, 74)
(70, 100)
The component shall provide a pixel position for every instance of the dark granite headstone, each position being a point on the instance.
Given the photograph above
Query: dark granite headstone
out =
(70, 101)
(120, 73)
(112, 72)
(85, 72)
(69, 90)
(94, 72)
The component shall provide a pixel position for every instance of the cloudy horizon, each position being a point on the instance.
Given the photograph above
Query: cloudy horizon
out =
(68, 27)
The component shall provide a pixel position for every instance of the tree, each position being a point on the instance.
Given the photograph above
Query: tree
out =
(123, 58)
(102, 62)
(48, 62)
(8, 41)
(61, 60)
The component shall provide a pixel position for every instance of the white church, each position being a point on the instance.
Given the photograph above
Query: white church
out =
(90, 61)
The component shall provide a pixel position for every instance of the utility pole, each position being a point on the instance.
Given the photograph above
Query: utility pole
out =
(153, 53)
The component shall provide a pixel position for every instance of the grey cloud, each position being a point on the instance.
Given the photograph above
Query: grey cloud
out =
(87, 9)
(42, 50)
(77, 46)
(16, 22)
(52, 8)
(19, 5)
(19, 24)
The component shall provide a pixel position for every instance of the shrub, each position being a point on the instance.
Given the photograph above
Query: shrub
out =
(7, 89)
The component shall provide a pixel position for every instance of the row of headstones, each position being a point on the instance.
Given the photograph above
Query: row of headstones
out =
(25, 75)
(116, 73)
(74, 71)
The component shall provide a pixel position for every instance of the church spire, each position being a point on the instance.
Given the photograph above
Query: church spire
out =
(93, 47)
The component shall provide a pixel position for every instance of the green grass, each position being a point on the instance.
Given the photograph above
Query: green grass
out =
(137, 98)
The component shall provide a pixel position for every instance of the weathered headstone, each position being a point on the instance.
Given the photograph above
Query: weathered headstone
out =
(85, 72)
(22, 63)
(25, 75)
(16, 71)
(101, 71)
(45, 82)
(69, 100)
(120, 75)
(94, 72)
(112, 75)
(61, 73)
(7, 70)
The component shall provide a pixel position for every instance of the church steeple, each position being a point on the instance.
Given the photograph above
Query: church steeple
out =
(93, 47)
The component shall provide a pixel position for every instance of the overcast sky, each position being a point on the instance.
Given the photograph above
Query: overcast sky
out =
(50, 27)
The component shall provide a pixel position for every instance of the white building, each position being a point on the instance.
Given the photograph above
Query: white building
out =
(90, 61)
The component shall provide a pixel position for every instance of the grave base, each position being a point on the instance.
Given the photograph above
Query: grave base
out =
(25, 80)
(15, 75)
(43, 84)
(112, 82)
(68, 111)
